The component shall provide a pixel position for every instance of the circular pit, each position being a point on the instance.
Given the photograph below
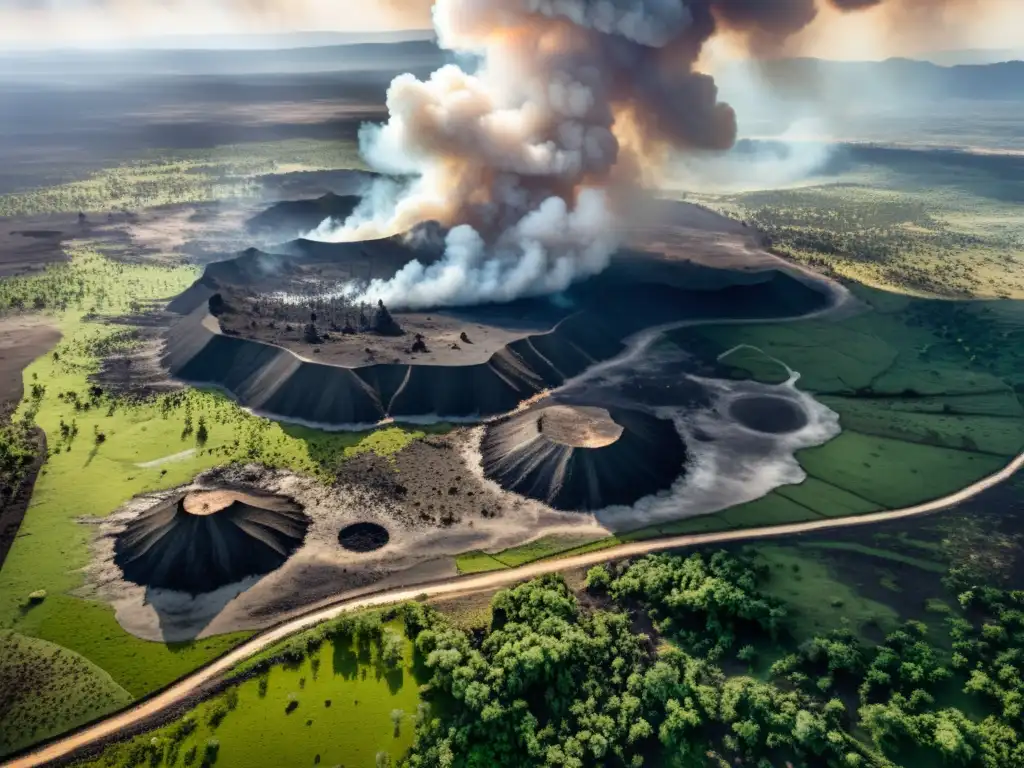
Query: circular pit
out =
(363, 537)
(769, 415)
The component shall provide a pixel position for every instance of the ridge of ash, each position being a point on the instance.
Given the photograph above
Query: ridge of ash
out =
(582, 457)
(200, 541)
(292, 217)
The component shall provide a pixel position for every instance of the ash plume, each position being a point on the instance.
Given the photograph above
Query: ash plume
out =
(524, 159)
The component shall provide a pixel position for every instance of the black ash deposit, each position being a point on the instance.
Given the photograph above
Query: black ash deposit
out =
(767, 414)
(583, 458)
(364, 537)
(204, 540)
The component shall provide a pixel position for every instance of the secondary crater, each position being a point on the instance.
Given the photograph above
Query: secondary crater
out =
(364, 537)
(767, 414)
(200, 541)
(581, 457)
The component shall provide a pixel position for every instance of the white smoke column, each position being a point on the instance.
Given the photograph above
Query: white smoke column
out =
(506, 156)
(522, 159)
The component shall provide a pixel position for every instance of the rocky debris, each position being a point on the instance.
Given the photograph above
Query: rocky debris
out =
(310, 334)
(217, 305)
(455, 346)
(419, 344)
(464, 337)
(383, 323)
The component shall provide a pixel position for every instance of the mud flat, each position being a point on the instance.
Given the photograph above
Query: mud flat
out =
(582, 457)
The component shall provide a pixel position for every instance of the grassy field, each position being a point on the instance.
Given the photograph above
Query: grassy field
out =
(66, 691)
(547, 546)
(104, 451)
(340, 705)
(184, 176)
(818, 601)
(929, 395)
(932, 225)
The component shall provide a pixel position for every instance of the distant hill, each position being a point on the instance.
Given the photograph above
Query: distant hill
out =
(416, 51)
(281, 41)
(415, 54)
(893, 80)
(973, 56)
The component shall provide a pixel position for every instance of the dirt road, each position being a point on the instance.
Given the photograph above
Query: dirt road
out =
(187, 686)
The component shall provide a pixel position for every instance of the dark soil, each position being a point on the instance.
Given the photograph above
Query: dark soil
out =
(648, 457)
(14, 501)
(428, 481)
(771, 415)
(364, 537)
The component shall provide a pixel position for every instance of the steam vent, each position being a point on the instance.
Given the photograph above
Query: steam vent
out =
(583, 458)
(204, 540)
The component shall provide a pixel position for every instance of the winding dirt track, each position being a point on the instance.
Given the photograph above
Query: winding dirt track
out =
(180, 691)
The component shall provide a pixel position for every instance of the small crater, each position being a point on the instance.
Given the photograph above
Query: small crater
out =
(364, 537)
(770, 415)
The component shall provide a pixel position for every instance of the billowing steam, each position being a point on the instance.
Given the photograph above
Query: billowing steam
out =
(524, 158)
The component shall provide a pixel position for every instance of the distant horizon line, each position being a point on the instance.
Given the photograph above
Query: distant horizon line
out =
(241, 42)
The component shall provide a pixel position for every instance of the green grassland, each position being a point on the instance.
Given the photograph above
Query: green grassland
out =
(932, 229)
(337, 705)
(929, 395)
(248, 726)
(184, 176)
(546, 546)
(98, 448)
(67, 691)
(818, 601)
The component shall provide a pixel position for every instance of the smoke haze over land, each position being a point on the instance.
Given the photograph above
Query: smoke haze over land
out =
(526, 158)
(574, 102)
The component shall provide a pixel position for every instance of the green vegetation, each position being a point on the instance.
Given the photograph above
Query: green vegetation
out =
(929, 229)
(884, 554)
(339, 695)
(18, 445)
(817, 601)
(546, 546)
(184, 176)
(478, 562)
(588, 691)
(928, 393)
(757, 657)
(105, 449)
(46, 690)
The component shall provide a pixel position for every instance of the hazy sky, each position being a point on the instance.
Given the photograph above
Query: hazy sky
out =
(61, 23)
(57, 23)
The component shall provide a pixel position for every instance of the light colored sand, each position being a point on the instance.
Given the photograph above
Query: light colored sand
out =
(203, 503)
(578, 427)
(167, 459)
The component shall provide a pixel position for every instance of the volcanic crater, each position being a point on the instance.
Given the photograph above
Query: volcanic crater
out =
(199, 541)
(768, 414)
(582, 457)
(364, 537)
(270, 327)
